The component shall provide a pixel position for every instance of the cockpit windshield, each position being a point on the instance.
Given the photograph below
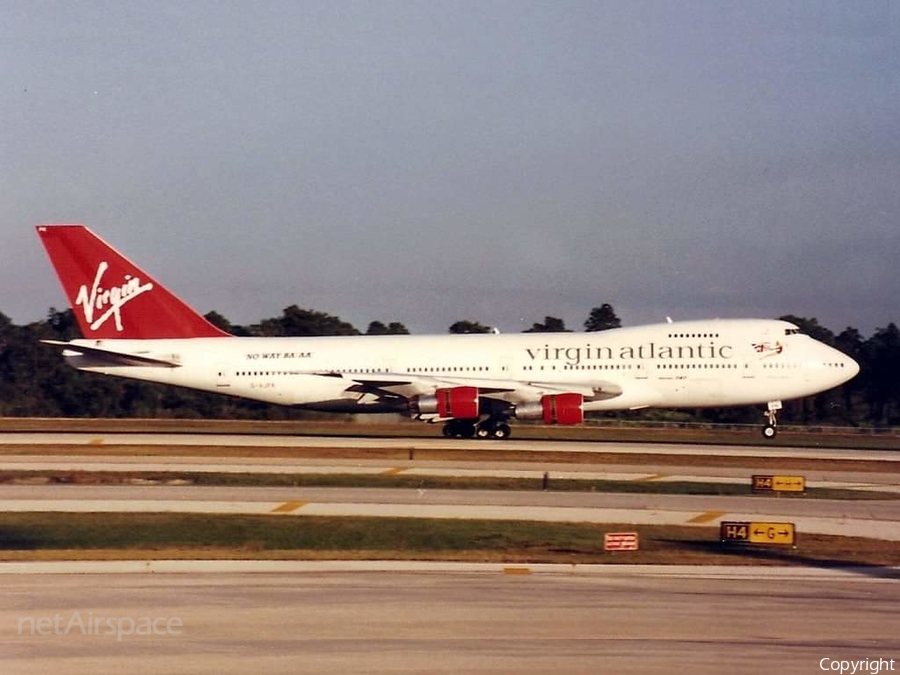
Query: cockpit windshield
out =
(793, 331)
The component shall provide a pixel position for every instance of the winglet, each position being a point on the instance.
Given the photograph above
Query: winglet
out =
(111, 296)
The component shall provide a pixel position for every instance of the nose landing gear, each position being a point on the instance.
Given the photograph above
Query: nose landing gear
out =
(770, 430)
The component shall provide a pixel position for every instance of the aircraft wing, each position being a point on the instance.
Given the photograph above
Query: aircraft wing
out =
(408, 386)
(112, 358)
(594, 390)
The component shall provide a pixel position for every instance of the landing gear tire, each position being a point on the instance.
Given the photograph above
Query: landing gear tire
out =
(769, 432)
(501, 432)
(493, 429)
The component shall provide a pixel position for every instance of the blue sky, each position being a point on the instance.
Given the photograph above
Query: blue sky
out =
(427, 162)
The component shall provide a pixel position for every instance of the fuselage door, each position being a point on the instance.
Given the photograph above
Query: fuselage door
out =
(223, 376)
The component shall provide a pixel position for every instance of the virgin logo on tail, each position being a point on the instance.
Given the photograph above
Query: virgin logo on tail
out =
(110, 299)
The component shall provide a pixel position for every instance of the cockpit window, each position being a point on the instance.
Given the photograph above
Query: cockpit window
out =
(792, 331)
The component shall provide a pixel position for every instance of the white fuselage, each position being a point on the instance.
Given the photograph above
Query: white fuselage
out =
(686, 364)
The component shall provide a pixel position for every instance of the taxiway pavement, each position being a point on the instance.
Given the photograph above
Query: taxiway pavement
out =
(887, 481)
(875, 519)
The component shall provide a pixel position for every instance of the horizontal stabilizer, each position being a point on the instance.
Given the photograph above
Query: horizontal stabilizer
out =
(114, 358)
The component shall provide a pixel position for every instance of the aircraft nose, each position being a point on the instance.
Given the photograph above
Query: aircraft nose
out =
(852, 367)
(848, 367)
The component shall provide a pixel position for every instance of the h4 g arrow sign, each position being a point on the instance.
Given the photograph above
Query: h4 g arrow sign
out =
(757, 532)
(763, 483)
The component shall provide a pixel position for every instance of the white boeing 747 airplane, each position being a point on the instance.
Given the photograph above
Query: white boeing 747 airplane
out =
(475, 384)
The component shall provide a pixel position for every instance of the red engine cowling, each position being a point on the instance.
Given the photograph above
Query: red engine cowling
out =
(563, 408)
(554, 409)
(457, 402)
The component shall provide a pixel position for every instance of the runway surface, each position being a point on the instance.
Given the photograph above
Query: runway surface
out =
(412, 618)
(281, 441)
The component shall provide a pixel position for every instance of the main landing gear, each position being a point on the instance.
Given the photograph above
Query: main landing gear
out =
(459, 429)
(489, 428)
(771, 429)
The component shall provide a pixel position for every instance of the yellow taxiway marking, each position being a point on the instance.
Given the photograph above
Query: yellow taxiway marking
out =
(394, 471)
(707, 516)
(95, 441)
(288, 507)
(516, 570)
(652, 476)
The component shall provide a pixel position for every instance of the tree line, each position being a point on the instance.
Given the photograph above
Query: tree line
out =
(35, 382)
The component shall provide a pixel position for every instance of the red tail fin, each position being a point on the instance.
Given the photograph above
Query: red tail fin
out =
(111, 296)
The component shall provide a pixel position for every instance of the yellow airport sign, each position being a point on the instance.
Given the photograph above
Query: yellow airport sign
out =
(789, 483)
(762, 483)
(757, 532)
(772, 533)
